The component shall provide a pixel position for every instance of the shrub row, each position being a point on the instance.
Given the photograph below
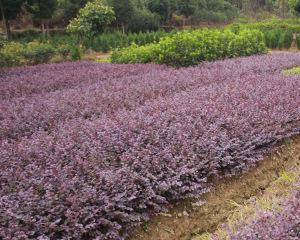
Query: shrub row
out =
(97, 177)
(107, 42)
(36, 49)
(103, 42)
(278, 39)
(14, 53)
(28, 81)
(278, 34)
(283, 24)
(191, 47)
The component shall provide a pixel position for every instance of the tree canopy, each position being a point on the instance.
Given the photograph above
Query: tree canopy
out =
(92, 19)
(10, 9)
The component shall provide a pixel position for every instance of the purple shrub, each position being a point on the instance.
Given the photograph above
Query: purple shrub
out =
(24, 81)
(93, 167)
(22, 116)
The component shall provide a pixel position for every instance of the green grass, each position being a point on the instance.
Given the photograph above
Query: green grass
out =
(292, 71)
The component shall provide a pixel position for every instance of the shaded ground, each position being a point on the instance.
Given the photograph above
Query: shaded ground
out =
(188, 220)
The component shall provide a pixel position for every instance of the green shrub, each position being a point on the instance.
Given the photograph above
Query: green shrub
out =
(182, 49)
(272, 38)
(10, 54)
(264, 26)
(278, 33)
(191, 47)
(135, 54)
(75, 53)
(64, 51)
(2, 42)
(286, 40)
(246, 43)
(298, 41)
(291, 71)
(105, 44)
(36, 53)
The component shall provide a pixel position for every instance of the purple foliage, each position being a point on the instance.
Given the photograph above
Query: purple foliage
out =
(270, 225)
(93, 160)
(24, 81)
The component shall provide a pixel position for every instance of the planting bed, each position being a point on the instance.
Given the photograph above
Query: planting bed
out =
(90, 150)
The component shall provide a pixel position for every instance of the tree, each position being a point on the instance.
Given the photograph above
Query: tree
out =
(9, 11)
(164, 8)
(42, 10)
(144, 20)
(92, 19)
(282, 7)
(187, 7)
(295, 6)
(68, 9)
(124, 11)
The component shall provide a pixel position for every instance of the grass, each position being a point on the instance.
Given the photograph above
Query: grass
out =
(292, 71)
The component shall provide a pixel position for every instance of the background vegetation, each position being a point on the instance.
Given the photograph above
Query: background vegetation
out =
(39, 31)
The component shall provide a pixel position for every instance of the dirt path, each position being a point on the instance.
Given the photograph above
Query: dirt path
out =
(188, 218)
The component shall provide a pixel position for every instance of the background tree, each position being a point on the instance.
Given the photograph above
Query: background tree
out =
(42, 10)
(10, 9)
(282, 7)
(163, 8)
(124, 11)
(68, 9)
(295, 7)
(92, 19)
(187, 7)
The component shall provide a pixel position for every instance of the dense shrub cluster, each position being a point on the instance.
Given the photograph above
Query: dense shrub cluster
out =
(191, 47)
(111, 149)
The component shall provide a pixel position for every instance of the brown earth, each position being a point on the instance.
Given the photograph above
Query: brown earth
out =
(185, 220)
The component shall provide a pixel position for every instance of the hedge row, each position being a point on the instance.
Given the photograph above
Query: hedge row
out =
(191, 47)
(15, 54)
(110, 41)
(103, 42)
(278, 34)
(283, 24)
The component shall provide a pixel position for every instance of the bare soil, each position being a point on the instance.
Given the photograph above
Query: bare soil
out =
(185, 220)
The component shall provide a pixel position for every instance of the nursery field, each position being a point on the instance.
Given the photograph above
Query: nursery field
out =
(90, 150)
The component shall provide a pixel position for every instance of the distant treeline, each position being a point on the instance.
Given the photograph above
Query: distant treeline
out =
(138, 15)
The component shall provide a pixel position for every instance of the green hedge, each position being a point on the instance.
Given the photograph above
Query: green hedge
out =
(278, 33)
(136, 54)
(191, 47)
(103, 42)
(283, 24)
(15, 54)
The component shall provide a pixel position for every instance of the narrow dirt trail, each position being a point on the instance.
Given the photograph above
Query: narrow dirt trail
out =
(196, 216)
